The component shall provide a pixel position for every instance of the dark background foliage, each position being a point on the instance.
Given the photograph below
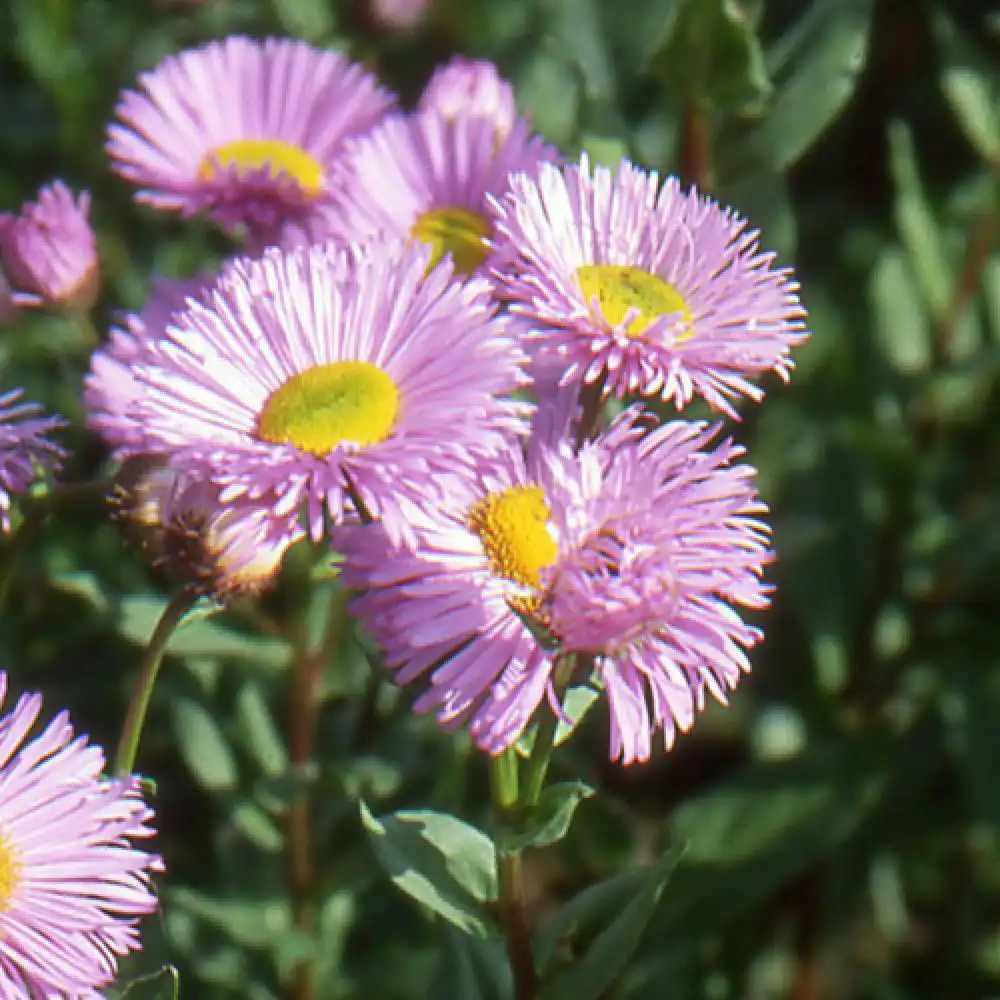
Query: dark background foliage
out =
(842, 813)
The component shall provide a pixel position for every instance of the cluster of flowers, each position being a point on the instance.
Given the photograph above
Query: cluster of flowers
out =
(412, 361)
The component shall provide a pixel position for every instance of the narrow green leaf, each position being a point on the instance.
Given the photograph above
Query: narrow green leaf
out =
(550, 819)
(901, 326)
(446, 864)
(471, 969)
(971, 83)
(258, 731)
(203, 747)
(575, 30)
(253, 922)
(814, 71)
(710, 50)
(588, 977)
(917, 225)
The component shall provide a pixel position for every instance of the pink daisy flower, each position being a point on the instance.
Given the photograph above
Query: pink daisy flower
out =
(48, 251)
(73, 882)
(289, 380)
(473, 88)
(631, 555)
(427, 177)
(25, 448)
(644, 288)
(247, 131)
(110, 389)
(214, 548)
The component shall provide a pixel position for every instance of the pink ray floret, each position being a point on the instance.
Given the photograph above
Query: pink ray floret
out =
(264, 322)
(77, 878)
(413, 164)
(25, 448)
(659, 541)
(744, 314)
(169, 134)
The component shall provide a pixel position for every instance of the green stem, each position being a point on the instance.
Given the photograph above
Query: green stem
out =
(510, 878)
(538, 762)
(306, 675)
(128, 746)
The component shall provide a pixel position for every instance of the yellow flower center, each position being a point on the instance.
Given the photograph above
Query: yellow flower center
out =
(458, 231)
(10, 873)
(514, 529)
(320, 408)
(620, 287)
(252, 154)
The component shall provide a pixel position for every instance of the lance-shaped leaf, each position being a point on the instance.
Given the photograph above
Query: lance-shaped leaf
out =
(629, 900)
(446, 864)
(814, 69)
(549, 820)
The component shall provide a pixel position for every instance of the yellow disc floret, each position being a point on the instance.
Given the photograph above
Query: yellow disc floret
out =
(327, 405)
(619, 288)
(276, 154)
(458, 231)
(10, 873)
(514, 529)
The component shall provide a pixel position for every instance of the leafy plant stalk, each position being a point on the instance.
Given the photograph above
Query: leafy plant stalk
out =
(135, 717)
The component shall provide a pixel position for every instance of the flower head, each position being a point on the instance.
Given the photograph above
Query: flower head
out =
(110, 389)
(644, 288)
(290, 380)
(48, 251)
(25, 448)
(473, 88)
(426, 176)
(73, 880)
(629, 556)
(217, 549)
(247, 131)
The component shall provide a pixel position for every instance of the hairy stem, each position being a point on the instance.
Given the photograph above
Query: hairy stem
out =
(510, 877)
(135, 717)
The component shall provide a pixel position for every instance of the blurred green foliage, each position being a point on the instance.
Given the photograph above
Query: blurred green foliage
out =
(842, 816)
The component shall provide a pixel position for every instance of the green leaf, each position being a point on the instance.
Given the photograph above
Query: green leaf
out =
(333, 924)
(917, 225)
(975, 735)
(311, 20)
(258, 730)
(814, 70)
(576, 33)
(472, 969)
(446, 864)
(137, 617)
(710, 50)
(632, 903)
(253, 922)
(901, 326)
(748, 836)
(549, 821)
(164, 984)
(971, 83)
(203, 746)
(258, 827)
